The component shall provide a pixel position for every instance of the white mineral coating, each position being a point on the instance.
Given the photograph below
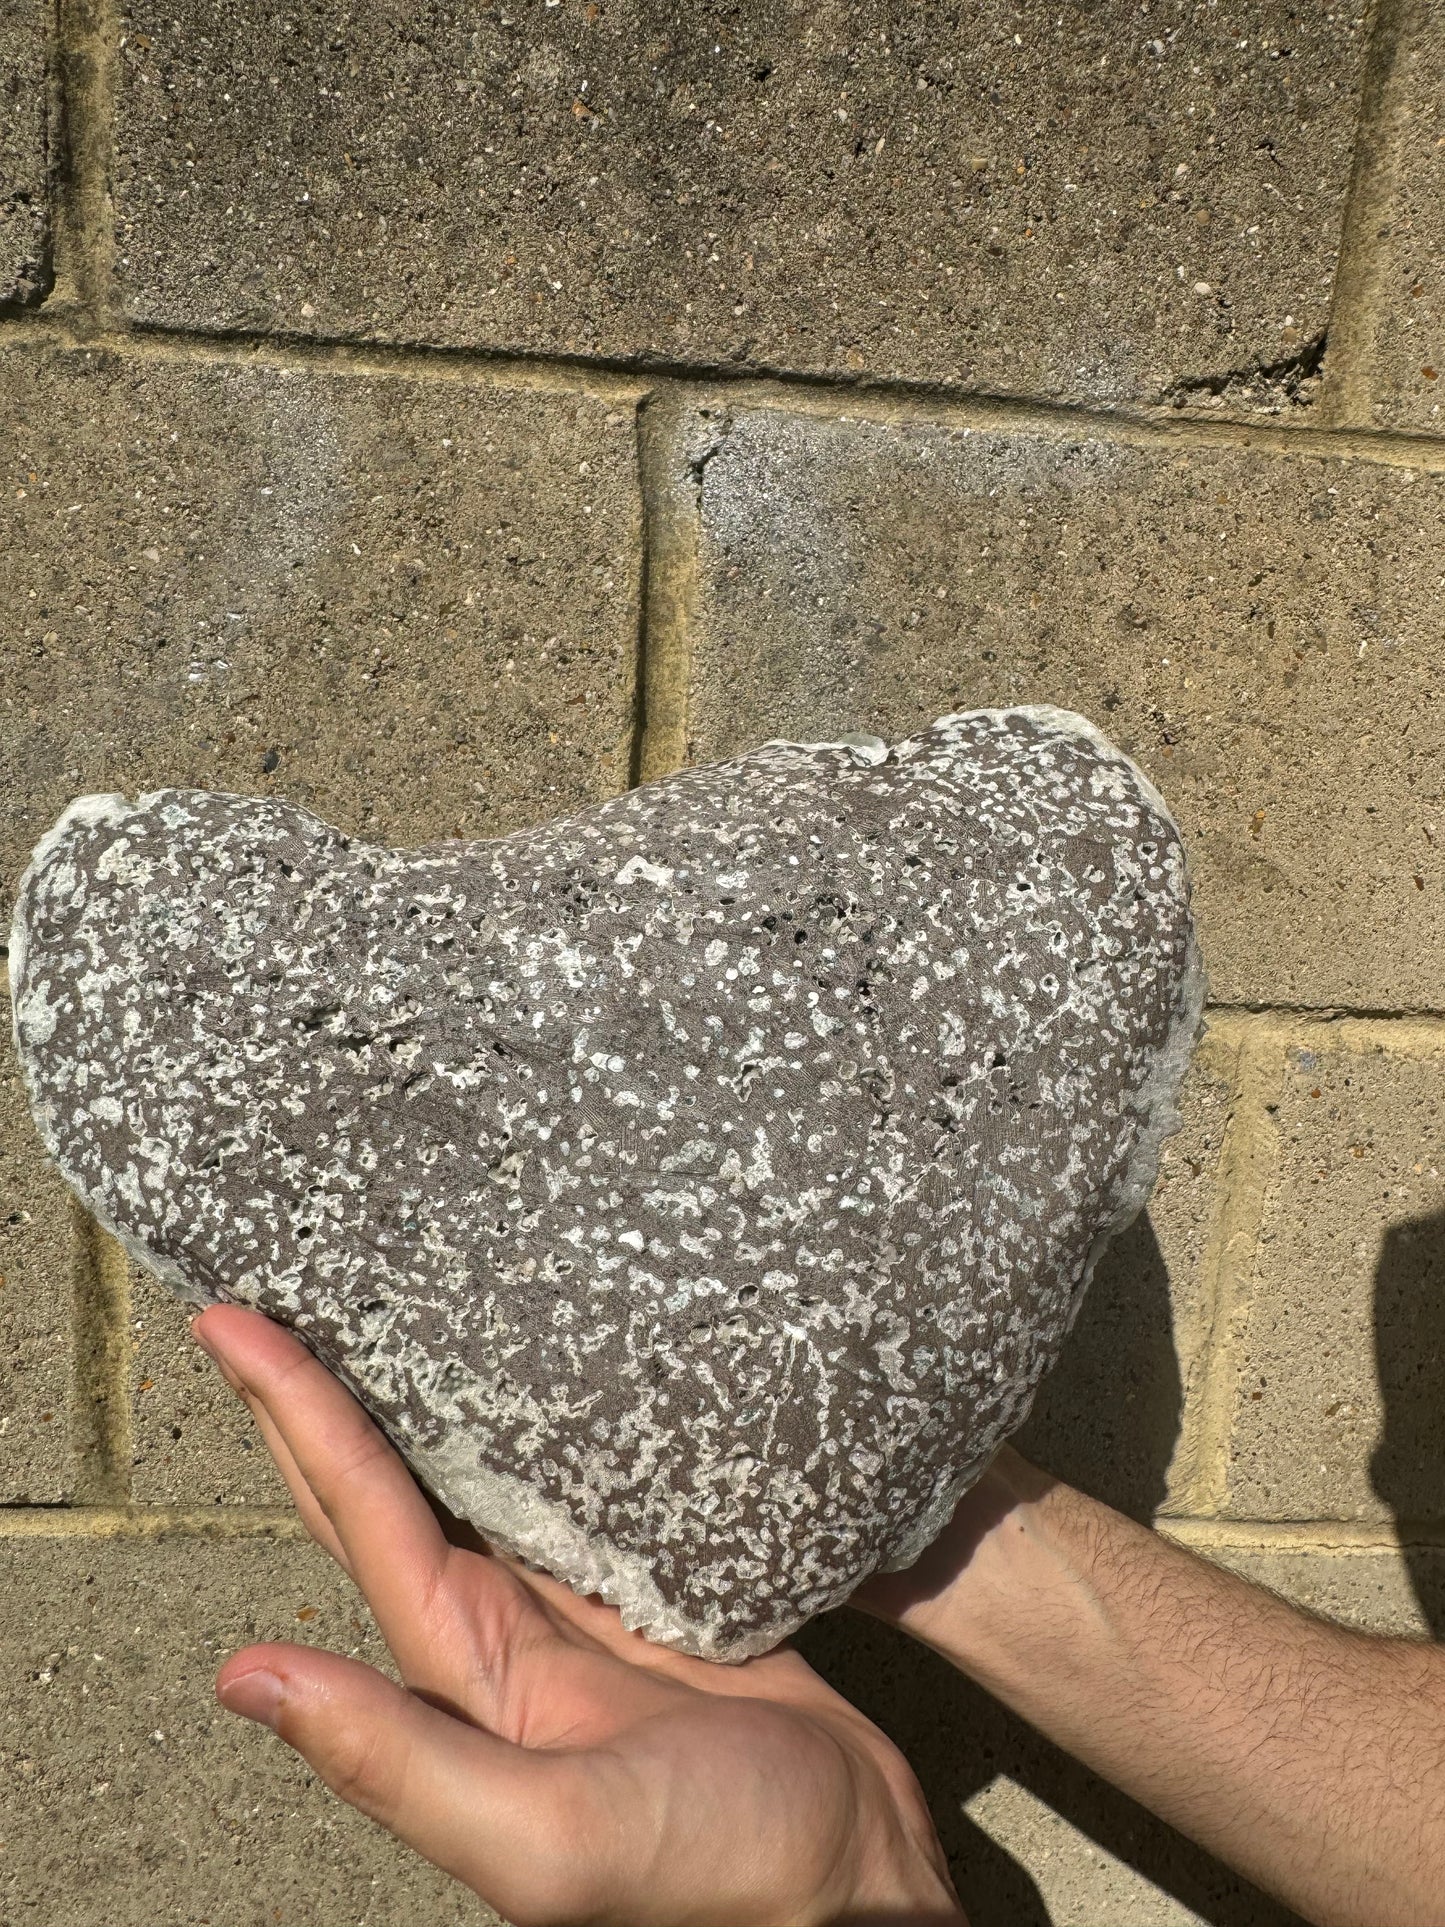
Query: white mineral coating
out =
(696, 1188)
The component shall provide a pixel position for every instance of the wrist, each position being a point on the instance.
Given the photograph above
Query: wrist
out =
(1010, 1567)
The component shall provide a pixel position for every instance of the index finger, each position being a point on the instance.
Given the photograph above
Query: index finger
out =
(393, 1542)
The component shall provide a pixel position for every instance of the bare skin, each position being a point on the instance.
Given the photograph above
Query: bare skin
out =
(570, 1772)
(1308, 1756)
(565, 1769)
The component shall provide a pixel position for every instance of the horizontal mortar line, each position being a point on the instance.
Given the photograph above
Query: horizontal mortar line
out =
(1072, 421)
(196, 347)
(892, 403)
(1304, 1535)
(248, 1522)
(1427, 1025)
(148, 1522)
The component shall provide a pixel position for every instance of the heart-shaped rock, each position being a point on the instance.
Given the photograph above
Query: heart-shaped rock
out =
(696, 1188)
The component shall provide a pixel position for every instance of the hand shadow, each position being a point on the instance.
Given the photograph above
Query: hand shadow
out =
(1107, 1420)
(1407, 1469)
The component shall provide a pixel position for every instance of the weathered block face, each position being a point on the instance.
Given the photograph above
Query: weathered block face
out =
(697, 1187)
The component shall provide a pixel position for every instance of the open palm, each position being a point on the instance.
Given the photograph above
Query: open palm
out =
(564, 1768)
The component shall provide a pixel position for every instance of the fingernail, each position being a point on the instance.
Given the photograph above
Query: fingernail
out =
(200, 1337)
(255, 1696)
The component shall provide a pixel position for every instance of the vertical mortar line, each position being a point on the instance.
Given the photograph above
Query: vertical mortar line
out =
(1246, 1165)
(100, 1385)
(639, 706)
(670, 473)
(1355, 300)
(88, 40)
(1406, 1036)
(1219, 1047)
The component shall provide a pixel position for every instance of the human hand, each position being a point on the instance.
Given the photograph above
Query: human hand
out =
(567, 1770)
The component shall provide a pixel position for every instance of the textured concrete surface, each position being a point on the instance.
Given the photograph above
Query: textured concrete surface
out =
(1408, 374)
(36, 1262)
(193, 1443)
(1376, 1589)
(1340, 1331)
(407, 606)
(1261, 634)
(1109, 1418)
(128, 1798)
(1091, 201)
(1032, 1837)
(25, 265)
(1078, 1882)
(1137, 207)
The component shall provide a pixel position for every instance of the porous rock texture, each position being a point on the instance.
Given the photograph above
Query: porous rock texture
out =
(695, 1188)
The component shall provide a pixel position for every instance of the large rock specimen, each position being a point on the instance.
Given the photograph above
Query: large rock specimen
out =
(696, 1188)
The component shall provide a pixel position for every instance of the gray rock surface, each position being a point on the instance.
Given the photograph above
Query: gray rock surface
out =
(695, 1187)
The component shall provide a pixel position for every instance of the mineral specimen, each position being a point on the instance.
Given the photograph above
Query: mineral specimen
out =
(695, 1188)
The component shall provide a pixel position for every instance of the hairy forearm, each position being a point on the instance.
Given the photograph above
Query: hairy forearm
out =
(1309, 1757)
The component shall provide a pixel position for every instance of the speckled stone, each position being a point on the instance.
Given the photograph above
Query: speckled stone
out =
(696, 1187)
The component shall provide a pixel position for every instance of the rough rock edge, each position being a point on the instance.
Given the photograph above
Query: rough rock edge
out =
(1157, 1104)
(114, 808)
(547, 1537)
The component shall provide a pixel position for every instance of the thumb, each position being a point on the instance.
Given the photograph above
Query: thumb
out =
(485, 1810)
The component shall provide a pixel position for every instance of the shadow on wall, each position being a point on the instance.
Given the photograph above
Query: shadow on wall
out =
(1408, 1467)
(1107, 1420)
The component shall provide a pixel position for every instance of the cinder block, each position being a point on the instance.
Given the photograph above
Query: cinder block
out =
(24, 160)
(1339, 1339)
(128, 1798)
(192, 1440)
(1409, 345)
(37, 1254)
(1071, 202)
(1261, 632)
(409, 604)
(1395, 1590)
(1109, 1418)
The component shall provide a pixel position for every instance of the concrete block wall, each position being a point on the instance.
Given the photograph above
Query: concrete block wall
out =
(447, 417)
